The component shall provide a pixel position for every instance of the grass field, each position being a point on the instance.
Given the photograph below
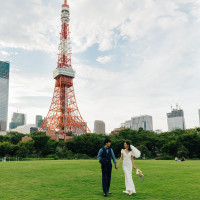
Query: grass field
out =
(81, 179)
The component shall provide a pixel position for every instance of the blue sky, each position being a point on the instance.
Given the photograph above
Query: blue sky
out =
(131, 57)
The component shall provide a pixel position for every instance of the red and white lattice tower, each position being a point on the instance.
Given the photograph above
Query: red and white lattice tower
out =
(64, 114)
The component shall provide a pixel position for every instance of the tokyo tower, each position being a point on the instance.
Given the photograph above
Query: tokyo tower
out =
(63, 113)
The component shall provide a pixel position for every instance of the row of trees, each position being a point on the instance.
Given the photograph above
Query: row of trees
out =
(152, 145)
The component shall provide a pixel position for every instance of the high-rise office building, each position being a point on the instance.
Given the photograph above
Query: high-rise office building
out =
(38, 121)
(4, 88)
(175, 119)
(127, 124)
(143, 121)
(99, 126)
(18, 119)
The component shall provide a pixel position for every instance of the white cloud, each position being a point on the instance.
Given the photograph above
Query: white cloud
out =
(96, 22)
(29, 25)
(156, 41)
(4, 53)
(103, 59)
(29, 94)
(91, 22)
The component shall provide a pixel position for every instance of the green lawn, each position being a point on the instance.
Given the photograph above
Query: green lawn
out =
(81, 179)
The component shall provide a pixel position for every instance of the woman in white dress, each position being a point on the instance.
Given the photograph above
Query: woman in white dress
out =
(127, 155)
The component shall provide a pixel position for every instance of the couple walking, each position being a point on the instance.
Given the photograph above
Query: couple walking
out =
(104, 156)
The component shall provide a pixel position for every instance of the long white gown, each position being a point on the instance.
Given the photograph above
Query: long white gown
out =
(127, 167)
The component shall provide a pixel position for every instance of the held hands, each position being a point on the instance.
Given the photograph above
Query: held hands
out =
(116, 167)
(134, 168)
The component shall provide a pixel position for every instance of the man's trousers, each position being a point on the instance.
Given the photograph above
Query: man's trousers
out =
(106, 176)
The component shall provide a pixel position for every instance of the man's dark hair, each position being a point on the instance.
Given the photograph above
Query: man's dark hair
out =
(107, 140)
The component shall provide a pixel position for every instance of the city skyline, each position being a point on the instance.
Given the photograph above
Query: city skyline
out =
(131, 58)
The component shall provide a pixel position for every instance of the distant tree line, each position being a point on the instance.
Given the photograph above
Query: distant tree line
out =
(167, 145)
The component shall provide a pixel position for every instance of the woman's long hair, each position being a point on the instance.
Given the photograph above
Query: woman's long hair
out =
(129, 145)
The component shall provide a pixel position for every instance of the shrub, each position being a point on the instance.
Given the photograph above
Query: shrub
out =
(182, 152)
(69, 155)
(56, 157)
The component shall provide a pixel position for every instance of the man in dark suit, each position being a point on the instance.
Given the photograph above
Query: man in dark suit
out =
(104, 156)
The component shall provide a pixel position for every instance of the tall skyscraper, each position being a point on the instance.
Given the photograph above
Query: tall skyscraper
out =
(99, 126)
(38, 121)
(175, 119)
(143, 121)
(18, 119)
(4, 88)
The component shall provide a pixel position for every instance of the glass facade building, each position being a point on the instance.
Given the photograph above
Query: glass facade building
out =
(143, 121)
(176, 120)
(4, 89)
(18, 119)
(38, 121)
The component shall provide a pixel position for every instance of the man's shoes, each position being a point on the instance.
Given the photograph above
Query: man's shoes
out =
(109, 193)
(105, 195)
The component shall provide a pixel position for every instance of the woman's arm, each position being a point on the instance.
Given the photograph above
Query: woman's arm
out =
(120, 160)
(133, 163)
